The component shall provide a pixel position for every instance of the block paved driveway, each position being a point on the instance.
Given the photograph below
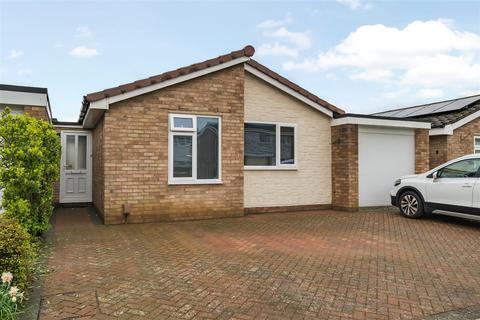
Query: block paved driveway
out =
(304, 265)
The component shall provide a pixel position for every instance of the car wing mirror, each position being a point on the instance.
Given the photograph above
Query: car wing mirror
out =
(435, 175)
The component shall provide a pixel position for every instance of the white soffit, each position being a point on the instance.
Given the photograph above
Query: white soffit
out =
(380, 122)
(23, 98)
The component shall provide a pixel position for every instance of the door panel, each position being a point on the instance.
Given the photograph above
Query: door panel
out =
(454, 184)
(75, 181)
(451, 191)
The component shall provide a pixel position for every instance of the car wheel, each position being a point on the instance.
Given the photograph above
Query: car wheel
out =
(411, 205)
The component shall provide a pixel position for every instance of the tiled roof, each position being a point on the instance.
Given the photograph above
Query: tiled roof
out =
(294, 86)
(443, 119)
(248, 52)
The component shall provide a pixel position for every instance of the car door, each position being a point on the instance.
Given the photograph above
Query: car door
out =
(452, 190)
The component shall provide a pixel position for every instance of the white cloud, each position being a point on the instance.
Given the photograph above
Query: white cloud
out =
(300, 39)
(428, 54)
(276, 49)
(83, 32)
(373, 75)
(15, 54)
(472, 92)
(429, 93)
(272, 23)
(25, 72)
(355, 4)
(393, 95)
(83, 52)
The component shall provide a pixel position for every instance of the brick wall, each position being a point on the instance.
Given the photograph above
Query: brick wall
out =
(438, 150)
(448, 147)
(136, 152)
(37, 112)
(462, 141)
(98, 183)
(345, 167)
(422, 160)
(310, 184)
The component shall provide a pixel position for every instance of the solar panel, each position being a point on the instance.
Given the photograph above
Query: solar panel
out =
(458, 104)
(409, 111)
(388, 113)
(427, 109)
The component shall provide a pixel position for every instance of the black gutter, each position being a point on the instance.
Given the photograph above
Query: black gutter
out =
(10, 87)
(367, 116)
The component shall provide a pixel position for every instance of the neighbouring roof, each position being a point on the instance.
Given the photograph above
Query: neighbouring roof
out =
(24, 95)
(10, 87)
(247, 51)
(440, 113)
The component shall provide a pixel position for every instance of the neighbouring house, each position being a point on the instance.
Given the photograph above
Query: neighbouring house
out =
(30, 100)
(226, 137)
(455, 126)
(25, 100)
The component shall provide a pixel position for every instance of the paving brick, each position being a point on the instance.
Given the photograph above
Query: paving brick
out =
(299, 265)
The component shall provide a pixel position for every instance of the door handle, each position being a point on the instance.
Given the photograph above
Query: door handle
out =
(466, 186)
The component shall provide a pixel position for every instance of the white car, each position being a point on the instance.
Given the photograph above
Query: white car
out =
(452, 189)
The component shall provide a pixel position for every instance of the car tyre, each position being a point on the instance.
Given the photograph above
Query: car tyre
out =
(411, 205)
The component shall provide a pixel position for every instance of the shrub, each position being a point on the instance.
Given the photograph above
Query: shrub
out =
(10, 297)
(17, 253)
(29, 166)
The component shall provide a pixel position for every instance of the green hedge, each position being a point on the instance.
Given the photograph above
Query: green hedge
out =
(29, 166)
(17, 253)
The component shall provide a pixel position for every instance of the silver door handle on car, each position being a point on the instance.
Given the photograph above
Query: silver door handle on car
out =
(467, 186)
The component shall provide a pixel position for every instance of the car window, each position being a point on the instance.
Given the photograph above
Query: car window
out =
(461, 169)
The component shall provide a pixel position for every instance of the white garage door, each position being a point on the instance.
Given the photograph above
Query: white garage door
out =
(384, 154)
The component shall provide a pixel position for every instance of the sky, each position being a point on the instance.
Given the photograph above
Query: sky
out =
(362, 56)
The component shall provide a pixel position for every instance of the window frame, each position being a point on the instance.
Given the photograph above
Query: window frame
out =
(475, 147)
(439, 171)
(172, 131)
(278, 165)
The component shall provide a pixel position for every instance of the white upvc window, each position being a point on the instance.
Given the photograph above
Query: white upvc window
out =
(476, 144)
(194, 149)
(270, 146)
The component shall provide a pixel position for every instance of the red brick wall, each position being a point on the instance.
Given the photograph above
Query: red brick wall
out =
(448, 147)
(37, 112)
(461, 142)
(422, 150)
(438, 150)
(136, 152)
(98, 183)
(345, 167)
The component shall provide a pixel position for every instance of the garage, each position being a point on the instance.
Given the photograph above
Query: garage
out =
(369, 153)
(384, 154)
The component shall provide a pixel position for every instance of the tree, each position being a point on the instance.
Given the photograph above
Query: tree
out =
(29, 166)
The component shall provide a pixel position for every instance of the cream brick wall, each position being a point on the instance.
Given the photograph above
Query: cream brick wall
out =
(311, 183)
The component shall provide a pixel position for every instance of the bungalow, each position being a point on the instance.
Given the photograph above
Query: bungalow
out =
(455, 126)
(226, 137)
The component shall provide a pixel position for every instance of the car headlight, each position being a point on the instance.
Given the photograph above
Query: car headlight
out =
(397, 182)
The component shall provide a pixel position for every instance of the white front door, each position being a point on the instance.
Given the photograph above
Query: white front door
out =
(76, 167)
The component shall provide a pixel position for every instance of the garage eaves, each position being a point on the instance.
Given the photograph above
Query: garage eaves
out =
(368, 120)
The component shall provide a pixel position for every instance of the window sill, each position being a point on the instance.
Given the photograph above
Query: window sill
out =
(269, 168)
(174, 183)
